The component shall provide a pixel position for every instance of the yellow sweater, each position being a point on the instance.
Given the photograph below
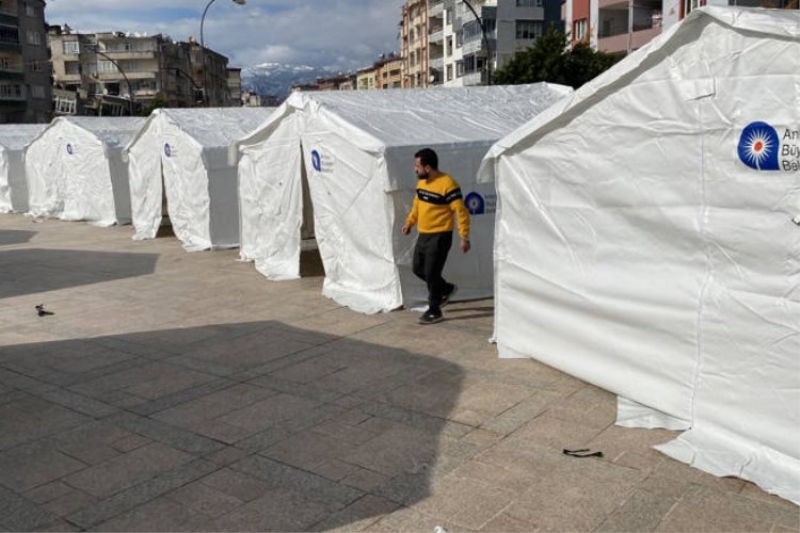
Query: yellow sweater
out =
(436, 201)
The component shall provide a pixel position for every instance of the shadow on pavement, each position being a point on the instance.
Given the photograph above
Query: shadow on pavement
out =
(34, 270)
(237, 427)
(13, 236)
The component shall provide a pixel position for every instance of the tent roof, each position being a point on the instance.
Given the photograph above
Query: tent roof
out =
(112, 131)
(397, 117)
(770, 23)
(215, 127)
(16, 136)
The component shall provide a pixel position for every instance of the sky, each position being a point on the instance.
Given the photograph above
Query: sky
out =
(340, 35)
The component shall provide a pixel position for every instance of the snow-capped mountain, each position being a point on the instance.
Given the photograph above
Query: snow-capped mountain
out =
(275, 79)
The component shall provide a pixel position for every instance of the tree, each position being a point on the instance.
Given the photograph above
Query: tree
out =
(155, 104)
(550, 59)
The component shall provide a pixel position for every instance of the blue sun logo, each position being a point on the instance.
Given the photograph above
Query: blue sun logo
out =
(758, 146)
(475, 204)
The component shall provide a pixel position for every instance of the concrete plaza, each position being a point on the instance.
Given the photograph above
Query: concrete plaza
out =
(171, 391)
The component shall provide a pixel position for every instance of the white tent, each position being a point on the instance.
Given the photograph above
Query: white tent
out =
(183, 154)
(13, 185)
(75, 170)
(354, 150)
(645, 240)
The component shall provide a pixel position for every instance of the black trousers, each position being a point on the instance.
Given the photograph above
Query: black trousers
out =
(430, 255)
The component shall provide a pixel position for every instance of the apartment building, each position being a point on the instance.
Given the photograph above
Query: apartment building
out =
(386, 73)
(25, 95)
(622, 26)
(116, 73)
(414, 34)
(461, 42)
(234, 87)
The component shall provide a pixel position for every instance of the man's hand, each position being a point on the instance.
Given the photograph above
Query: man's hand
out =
(405, 230)
(465, 246)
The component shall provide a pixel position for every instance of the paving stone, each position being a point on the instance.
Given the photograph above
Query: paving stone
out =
(70, 503)
(201, 499)
(20, 514)
(32, 418)
(313, 487)
(48, 492)
(26, 467)
(365, 480)
(704, 510)
(469, 505)
(278, 510)
(130, 443)
(240, 485)
(505, 523)
(161, 514)
(166, 434)
(357, 516)
(142, 493)
(406, 520)
(643, 511)
(108, 478)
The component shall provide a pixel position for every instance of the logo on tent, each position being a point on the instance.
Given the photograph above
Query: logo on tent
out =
(759, 145)
(475, 203)
(69, 149)
(316, 160)
(167, 150)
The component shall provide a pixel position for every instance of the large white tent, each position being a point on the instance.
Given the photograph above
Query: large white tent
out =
(75, 169)
(183, 154)
(645, 240)
(354, 151)
(13, 185)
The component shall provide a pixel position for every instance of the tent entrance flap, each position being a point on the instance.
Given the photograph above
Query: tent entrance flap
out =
(307, 227)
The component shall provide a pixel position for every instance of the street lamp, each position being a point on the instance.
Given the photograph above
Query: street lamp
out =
(94, 49)
(203, 45)
(468, 3)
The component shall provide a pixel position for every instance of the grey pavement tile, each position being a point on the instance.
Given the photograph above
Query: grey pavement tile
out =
(48, 492)
(240, 485)
(161, 514)
(219, 400)
(363, 479)
(30, 418)
(183, 396)
(395, 452)
(20, 514)
(506, 524)
(278, 510)
(70, 503)
(643, 511)
(130, 443)
(357, 516)
(352, 434)
(76, 402)
(407, 520)
(204, 500)
(310, 391)
(227, 455)
(556, 433)
(126, 470)
(25, 467)
(313, 487)
(166, 434)
(466, 503)
(704, 510)
(308, 450)
(578, 497)
(140, 494)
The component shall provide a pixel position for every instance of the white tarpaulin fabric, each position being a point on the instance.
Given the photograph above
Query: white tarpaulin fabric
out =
(183, 154)
(13, 185)
(645, 240)
(75, 170)
(356, 149)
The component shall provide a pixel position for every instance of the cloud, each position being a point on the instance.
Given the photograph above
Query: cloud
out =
(339, 34)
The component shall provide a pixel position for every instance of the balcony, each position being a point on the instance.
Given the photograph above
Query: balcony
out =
(12, 71)
(476, 45)
(437, 9)
(474, 78)
(130, 54)
(619, 43)
(436, 37)
(437, 63)
(8, 18)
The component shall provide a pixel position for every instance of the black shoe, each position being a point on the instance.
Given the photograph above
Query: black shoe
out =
(446, 297)
(431, 317)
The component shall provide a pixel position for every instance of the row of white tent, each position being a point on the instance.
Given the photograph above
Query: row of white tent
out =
(641, 234)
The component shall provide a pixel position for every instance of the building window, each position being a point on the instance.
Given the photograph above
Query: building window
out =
(449, 45)
(72, 68)
(580, 29)
(459, 69)
(10, 91)
(65, 106)
(34, 65)
(34, 38)
(70, 47)
(529, 29)
(529, 3)
(449, 72)
(37, 91)
(30, 9)
(106, 67)
(131, 65)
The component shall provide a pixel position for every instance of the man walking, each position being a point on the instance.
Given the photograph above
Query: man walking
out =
(438, 198)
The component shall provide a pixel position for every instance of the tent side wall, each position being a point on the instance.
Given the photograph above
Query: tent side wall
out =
(17, 182)
(120, 185)
(353, 220)
(271, 199)
(145, 180)
(187, 188)
(87, 178)
(44, 172)
(666, 269)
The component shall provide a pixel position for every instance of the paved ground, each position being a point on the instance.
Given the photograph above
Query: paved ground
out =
(184, 392)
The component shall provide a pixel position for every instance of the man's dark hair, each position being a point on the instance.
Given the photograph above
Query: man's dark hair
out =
(428, 158)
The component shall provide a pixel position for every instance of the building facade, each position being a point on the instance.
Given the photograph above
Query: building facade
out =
(622, 26)
(414, 44)
(115, 73)
(462, 42)
(25, 94)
